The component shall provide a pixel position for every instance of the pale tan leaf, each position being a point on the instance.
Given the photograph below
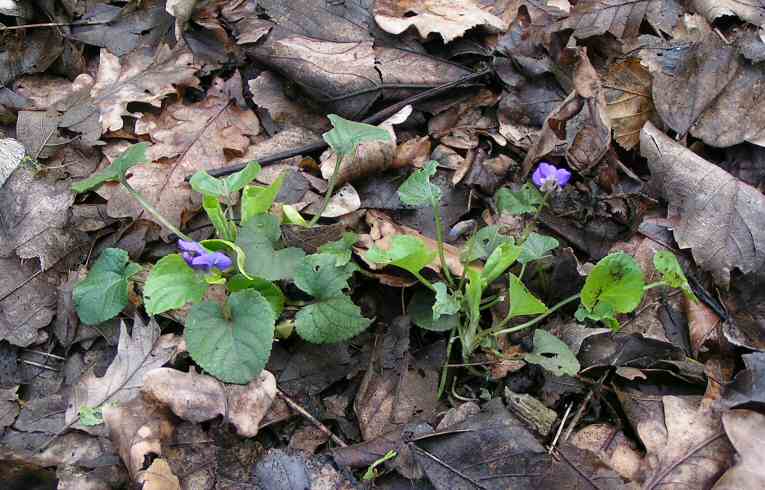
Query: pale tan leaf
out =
(186, 138)
(140, 76)
(720, 217)
(746, 431)
(159, 476)
(450, 18)
(137, 354)
(752, 11)
(628, 95)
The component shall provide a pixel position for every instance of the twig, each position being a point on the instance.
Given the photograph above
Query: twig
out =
(580, 411)
(54, 356)
(658, 478)
(447, 466)
(373, 119)
(560, 428)
(42, 366)
(302, 411)
(55, 24)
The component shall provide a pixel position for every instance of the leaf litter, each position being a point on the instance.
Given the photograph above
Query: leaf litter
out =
(350, 342)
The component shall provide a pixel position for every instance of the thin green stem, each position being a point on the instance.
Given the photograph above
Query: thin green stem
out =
(445, 369)
(527, 228)
(440, 240)
(153, 211)
(330, 189)
(529, 323)
(654, 285)
(424, 281)
(491, 303)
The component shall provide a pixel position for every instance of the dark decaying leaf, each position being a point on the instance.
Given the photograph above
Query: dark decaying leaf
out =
(745, 390)
(28, 52)
(625, 350)
(280, 470)
(720, 217)
(25, 305)
(621, 18)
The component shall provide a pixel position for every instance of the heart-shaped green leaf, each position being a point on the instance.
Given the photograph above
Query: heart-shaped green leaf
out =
(346, 135)
(208, 185)
(483, 243)
(330, 320)
(319, 276)
(233, 346)
(526, 200)
(269, 290)
(417, 190)
(259, 239)
(134, 155)
(257, 199)
(171, 284)
(535, 247)
(446, 303)
(671, 273)
(421, 310)
(407, 252)
(104, 293)
(522, 302)
(614, 285)
(552, 354)
(342, 249)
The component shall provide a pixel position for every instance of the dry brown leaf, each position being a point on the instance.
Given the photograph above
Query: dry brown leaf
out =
(383, 229)
(415, 152)
(746, 431)
(27, 302)
(450, 18)
(136, 355)
(268, 92)
(720, 217)
(186, 138)
(140, 76)
(138, 430)
(11, 154)
(159, 476)
(628, 93)
(622, 18)
(198, 397)
(612, 447)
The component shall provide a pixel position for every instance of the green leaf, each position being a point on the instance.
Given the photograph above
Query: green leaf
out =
(407, 252)
(223, 227)
(536, 246)
(134, 155)
(614, 286)
(552, 354)
(292, 216)
(259, 239)
(171, 284)
(417, 190)
(346, 135)
(672, 273)
(522, 302)
(483, 243)
(269, 290)
(342, 249)
(319, 276)
(90, 416)
(330, 320)
(233, 346)
(446, 303)
(473, 293)
(500, 259)
(208, 185)
(421, 310)
(104, 292)
(257, 199)
(603, 312)
(526, 200)
(238, 180)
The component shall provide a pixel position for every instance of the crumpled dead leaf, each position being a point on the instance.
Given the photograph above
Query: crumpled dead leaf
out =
(34, 218)
(11, 154)
(628, 93)
(186, 138)
(137, 354)
(449, 18)
(268, 92)
(752, 12)
(138, 430)
(198, 397)
(30, 307)
(159, 476)
(746, 431)
(720, 217)
(622, 18)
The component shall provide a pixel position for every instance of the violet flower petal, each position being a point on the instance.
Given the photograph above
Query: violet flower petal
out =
(208, 261)
(189, 258)
(562, 176)
(191, 247)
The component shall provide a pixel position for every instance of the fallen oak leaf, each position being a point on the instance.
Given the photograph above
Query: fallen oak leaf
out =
(720, 217)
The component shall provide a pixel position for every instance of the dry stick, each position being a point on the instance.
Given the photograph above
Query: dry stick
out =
(55, 24)
(447, 466)
(580, 412)
(302, 411)
(373, 119)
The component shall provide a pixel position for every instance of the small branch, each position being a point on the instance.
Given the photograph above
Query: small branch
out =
(54, 24)
(302, 411)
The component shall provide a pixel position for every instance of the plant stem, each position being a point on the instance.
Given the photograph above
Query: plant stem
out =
(424, 281)
(440, 241)
(445, 369)
(153, 211)
(491, 303)
(495, 332)
(654, 285)
(527, 228)
(330, 189)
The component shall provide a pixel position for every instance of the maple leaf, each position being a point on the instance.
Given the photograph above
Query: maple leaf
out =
(187, 138)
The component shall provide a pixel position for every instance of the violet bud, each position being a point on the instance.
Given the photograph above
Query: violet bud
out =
(548, 177)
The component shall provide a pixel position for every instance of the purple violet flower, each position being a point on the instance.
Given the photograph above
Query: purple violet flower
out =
(548, 177)
(198, 258)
